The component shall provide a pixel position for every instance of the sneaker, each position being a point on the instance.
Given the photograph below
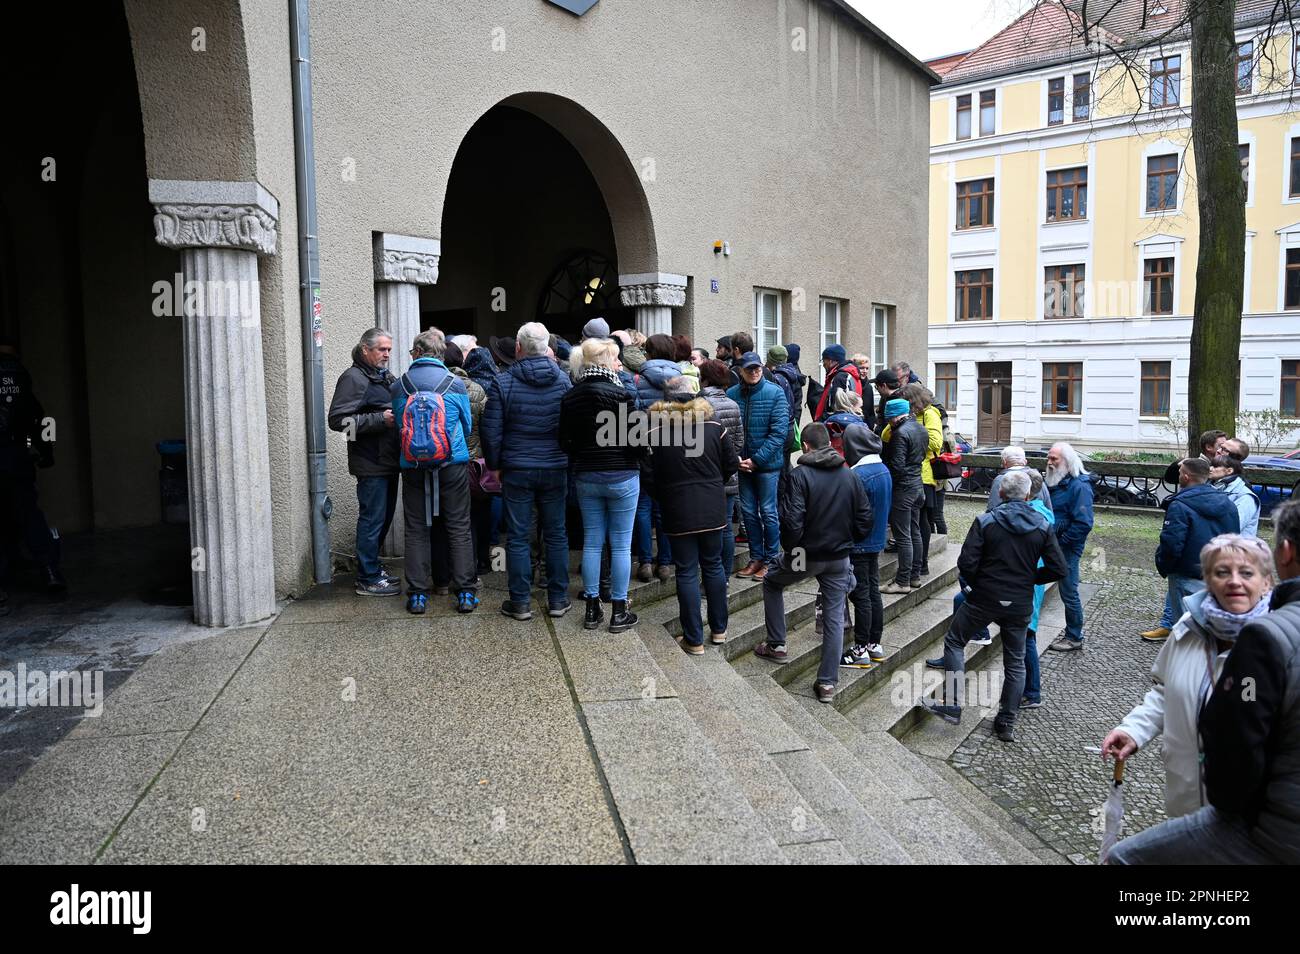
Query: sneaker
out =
(949, 714)
(771, 653)
(466, 602)
(1066, 645)
(824, 692)
(916, 583)
(556, 610)
(1004, 733)
(519, 611)
(985, 640)
(381, 587)
(1157, 635)
(936, 663)
(1027, 703)
(876, 652)
(645, 572)
(689, 649)
(856, 657)
(895, 589)
(717, 639)
(417, 603)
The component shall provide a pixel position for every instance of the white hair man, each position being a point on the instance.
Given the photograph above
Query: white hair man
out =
(466, 343)
(520, 440)
(1071, 489)
(1013, 459)
(999, 564)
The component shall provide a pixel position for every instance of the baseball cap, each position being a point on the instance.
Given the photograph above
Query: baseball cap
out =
(750, 360)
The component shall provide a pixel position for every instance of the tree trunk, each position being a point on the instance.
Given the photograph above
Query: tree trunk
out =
(1215, 372)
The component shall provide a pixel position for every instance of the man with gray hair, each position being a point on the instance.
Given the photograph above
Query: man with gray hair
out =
(905, 373)
(999, 562)
(520, 438)
(1071, 489)
(1013, 459)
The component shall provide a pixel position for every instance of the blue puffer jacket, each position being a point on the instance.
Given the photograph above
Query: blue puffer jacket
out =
(766, 420)
(521, 423)
(426, 374)
(1072, 507)
(1195, 516)
(652, 377)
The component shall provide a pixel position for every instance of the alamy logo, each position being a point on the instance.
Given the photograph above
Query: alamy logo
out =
(77, 689)
(103, 907)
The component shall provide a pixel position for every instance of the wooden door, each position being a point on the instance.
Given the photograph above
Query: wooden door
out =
(994, 418)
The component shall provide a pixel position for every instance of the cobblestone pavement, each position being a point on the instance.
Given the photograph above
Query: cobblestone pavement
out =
(1048, 781)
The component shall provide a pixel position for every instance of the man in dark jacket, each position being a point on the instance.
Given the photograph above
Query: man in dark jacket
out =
(767, 426)
(823, 512)
(841, 373)
(794, 377)
(1196, 514)
(742, 343)
(363, 410)
(904, 453)
(1071, 489)
(886, 383)
(999, 562)
(1250, 736)
(521, 442)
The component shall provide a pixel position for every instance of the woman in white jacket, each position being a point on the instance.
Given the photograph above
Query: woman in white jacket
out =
(1238, 573)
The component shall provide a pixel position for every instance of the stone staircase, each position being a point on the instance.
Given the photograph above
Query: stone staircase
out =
(727, 758)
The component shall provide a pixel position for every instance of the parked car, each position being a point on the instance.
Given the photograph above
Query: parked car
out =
(1271, 496)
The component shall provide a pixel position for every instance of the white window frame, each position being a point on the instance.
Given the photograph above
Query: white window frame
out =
(1292, 133)
(758, 329)
(879, 338)
(1159, 246)
(826, 338)
(1162, 147)
(1245, 138)
(1288, 238)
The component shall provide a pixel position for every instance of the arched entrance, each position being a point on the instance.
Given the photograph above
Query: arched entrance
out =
(543, 213)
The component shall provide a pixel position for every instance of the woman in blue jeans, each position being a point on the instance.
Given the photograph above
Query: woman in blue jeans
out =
(595, 419)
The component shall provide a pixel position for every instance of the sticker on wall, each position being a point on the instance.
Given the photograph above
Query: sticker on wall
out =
(713, 285)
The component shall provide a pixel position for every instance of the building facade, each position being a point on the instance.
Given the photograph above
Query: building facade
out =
(675, 166)
(1063, 224)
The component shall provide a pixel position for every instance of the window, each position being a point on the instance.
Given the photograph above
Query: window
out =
(1063, 291)
(1158, 286)
(975, 204)
(1063, 388)
(879, 338)
(1243, 156)
(1155, 389)
(1067, 194)
(963, 116)
(1245, 66)
(767, 319)
(1162, 182)
(975, 294)
(1289, 406)
(1166, 78)
(988, 112)
(1295, 167)
(1082, 96)
(1292, 300)
(1056, 101)
(830, 326)
(945, 386)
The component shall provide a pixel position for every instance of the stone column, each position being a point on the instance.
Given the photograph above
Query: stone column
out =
(402, 264)
(654, 295)
(220, 228)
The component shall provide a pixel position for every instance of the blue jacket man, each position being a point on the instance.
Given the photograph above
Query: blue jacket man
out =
(1072, 509)
(435, 502)
(862, 448)
(766, 420)
(1196, 515)
(1070, 489)
(520, 438)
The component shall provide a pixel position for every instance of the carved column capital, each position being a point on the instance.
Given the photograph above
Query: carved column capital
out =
(406, 258)
(230, 215)
(652, 288)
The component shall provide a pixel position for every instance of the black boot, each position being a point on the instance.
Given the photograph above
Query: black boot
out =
(622, 617)
(595, 615)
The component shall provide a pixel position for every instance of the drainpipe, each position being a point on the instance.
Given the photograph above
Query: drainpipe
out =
(313, 334)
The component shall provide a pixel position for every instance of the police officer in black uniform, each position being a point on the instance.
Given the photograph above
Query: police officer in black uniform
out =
(22, 448)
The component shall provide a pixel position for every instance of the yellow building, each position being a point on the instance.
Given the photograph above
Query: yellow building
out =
(1063, 226)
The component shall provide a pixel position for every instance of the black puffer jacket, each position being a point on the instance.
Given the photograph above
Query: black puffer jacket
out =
(999, 559)
(688, 475)
(1250, 730)
(362, 395)
(596, 415)
(825, 507)
(904, 455)
(727, 413)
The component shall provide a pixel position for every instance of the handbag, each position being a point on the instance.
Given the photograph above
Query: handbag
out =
(946, 466)
(796, 438)
(482, 482)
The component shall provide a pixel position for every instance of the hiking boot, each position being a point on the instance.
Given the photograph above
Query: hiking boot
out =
(621, 618)
(824, 692)
(1066, 645)
(949, 714)
(1004, 733)
(595, 615)
(895, 589)
(690, 649)
(381, 587)
(774, 654)
(466, 602)
(645, 572)
(664, 572)
(856, 657)
(1157, 635)
(1027, 703)
(556, 610)
(750, 568)
(417, 603)
(519, 611)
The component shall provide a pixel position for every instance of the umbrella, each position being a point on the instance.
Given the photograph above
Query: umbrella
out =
(1114, 813)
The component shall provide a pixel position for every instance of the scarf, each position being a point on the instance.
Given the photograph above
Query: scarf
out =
(1226, 625)
(600, 371)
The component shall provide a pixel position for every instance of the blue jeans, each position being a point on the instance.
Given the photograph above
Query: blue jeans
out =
(607, 510)
(1181, 587)
(1070, 597)
(520, 491)
(1033, 670)
(1167, 618)
(644, 533)
(695, 554)
(729, 541)
(1205, 837)
(762, 522)
(376, 501)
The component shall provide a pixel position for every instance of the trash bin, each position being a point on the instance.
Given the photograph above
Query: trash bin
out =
(173, 485)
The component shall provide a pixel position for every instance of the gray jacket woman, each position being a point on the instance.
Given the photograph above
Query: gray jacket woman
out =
(725, 411)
